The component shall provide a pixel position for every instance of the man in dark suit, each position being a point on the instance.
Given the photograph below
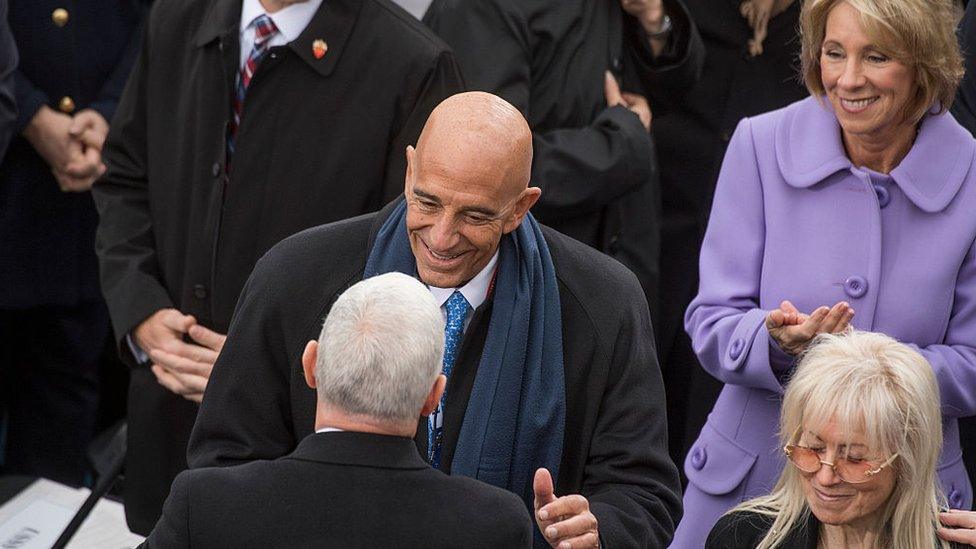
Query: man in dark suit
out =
(74, 60)
(244, 122)
(594, 159)
(551, 353)
(8, 63)
(358, 481)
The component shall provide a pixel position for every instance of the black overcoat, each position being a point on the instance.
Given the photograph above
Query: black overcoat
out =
(345, 490)
(692, 131)
(47, 236)
(257, 404)
(320, 139)
(595, 165)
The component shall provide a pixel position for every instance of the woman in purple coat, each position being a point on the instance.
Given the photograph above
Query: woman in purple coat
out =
(855, 206)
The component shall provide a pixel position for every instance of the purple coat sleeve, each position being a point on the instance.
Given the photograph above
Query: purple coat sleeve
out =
(954, 361)
(726, 325)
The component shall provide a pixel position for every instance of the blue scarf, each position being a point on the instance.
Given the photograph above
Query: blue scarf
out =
(516, 415)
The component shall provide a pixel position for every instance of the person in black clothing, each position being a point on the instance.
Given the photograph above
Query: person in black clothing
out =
(594, 159)
(554, 369)
(335, 90)
(74, 61)
(358, 480)
(861, 428)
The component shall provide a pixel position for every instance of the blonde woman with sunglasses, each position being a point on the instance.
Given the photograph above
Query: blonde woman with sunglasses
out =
(861, 431)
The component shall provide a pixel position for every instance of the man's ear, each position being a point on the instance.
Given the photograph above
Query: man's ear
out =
(434, 396)
(411, 160)
(309, 357)
(525, 201)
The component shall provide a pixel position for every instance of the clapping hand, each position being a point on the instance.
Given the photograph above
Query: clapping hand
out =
(793, 330)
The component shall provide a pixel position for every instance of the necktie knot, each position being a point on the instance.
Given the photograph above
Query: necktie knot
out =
(264, 29)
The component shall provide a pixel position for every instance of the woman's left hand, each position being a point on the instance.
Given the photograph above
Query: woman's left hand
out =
(962, 526)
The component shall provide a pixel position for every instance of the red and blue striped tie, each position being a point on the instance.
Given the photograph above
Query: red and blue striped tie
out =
(264, 30)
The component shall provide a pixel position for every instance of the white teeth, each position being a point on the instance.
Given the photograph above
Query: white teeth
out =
(859, 103)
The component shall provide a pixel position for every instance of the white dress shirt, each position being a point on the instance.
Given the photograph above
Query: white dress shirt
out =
(475, 291)
(291, 21)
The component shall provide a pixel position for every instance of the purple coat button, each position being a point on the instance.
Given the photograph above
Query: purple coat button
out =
(883, 196)
(955, 498)
(855, 286)
(698, 458)
(735, 350)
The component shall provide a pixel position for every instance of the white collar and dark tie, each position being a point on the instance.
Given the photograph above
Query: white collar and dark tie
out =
(290, 22)
(457, 305)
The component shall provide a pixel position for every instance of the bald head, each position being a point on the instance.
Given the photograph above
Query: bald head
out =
(480, 133)
(467, 186)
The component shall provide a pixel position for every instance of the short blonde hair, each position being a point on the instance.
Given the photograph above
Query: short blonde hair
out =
(919, 33)
(872, 384)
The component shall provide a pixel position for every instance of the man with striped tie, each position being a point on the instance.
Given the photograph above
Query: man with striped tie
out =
(244, 122)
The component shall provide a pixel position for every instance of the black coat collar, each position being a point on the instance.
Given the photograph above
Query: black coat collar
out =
(363, 449)
(332, 23)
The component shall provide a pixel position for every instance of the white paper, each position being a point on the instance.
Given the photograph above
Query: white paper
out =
(45, 501)
(37, 526)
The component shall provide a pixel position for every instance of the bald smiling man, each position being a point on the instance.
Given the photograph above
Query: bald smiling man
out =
(553, 392)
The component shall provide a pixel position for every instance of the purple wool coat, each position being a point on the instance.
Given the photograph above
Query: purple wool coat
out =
(793, 219)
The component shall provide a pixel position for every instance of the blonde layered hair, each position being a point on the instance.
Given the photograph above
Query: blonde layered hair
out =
(918, 33)
(870, 384)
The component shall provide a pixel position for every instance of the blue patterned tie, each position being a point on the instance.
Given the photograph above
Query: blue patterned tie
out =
(457, 311)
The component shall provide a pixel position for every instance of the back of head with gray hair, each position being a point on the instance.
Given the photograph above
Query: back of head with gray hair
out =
(381, 349)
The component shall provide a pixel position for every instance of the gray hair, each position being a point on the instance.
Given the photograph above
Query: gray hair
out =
(381, 348)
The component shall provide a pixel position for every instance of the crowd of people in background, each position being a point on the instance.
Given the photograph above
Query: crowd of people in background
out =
(703, 271)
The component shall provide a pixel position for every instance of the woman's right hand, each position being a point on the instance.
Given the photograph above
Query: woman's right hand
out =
(793, 330)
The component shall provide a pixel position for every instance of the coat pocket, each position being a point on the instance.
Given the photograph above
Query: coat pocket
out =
(717, 465)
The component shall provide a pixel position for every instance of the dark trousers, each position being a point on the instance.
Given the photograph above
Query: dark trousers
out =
(49, 360)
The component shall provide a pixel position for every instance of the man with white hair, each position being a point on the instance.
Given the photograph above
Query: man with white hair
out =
(376, 367)
(553, 392)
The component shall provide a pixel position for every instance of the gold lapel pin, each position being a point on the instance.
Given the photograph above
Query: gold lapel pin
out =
(319, 47)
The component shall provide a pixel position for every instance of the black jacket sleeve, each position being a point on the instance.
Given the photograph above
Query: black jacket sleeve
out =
(124, 242)
(8, 64)
(443, 81)
(666, 77)
(579, 170)
(631, 483)
(964, 108)
(172, 531)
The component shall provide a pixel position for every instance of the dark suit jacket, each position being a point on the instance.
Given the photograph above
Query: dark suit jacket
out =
(8, 63)
(595, 165)
(47, 237)
(319, 140)
(257, 405)
(339, 490)
(741, 530)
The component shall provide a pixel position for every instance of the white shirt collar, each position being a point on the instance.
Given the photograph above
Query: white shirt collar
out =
(329, 430)
(291, 21)
(475, 291)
